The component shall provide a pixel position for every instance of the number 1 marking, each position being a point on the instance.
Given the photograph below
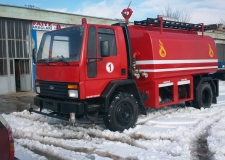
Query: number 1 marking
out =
(109, 67)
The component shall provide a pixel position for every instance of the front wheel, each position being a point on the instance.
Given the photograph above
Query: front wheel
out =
(123, 112)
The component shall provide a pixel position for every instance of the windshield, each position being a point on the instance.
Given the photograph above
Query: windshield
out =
(61, 45)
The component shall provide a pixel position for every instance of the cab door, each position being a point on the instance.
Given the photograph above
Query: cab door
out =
(109, 67)
(102, 69)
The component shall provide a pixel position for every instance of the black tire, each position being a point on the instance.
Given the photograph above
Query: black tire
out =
(205, 96)
(123, 112)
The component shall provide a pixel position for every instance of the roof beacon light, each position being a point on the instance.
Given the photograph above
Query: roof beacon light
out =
(84, 21)
(126, 13)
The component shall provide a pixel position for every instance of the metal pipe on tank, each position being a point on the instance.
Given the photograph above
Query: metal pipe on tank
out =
(137, 75)
(144, 74)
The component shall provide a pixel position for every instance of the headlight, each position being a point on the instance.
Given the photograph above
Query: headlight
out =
(38, 90)
(73, 93)
(37, 83)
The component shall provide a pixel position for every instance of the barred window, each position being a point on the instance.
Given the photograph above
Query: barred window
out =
(24, 67)
(2, 49)
(11, 49)
(19, 49)
(25, 30)
(25, 46)
(18, 28)
(3, 67)
(27, 68)
(11, 67)
(10, 28)
(2, 29)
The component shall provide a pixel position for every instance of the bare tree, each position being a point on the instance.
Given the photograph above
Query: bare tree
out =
(221, 25)
(183, 15)
(222, 21)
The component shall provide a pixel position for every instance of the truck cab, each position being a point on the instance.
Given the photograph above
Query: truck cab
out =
(75, 68)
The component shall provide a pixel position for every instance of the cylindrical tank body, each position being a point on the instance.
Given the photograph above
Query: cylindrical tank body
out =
(171, 53)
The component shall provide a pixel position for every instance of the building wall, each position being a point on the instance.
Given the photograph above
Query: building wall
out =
(217, 35)
(4, 85)
(15, 48)
(49, 16)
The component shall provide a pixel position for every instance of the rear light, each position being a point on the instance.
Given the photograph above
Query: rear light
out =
(11, 141)
(7, 142)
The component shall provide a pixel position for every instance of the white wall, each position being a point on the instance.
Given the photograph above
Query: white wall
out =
(4, 85)
(13, 86)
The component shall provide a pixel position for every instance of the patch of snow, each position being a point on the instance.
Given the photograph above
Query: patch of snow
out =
(172, 133)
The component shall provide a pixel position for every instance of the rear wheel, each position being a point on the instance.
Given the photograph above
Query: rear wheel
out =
(205, 96)
(123, 112)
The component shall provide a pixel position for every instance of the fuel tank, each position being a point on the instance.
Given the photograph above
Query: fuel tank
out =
(171, 53)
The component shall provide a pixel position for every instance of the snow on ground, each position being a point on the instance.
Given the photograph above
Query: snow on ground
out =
(216, 140)
(172, 133)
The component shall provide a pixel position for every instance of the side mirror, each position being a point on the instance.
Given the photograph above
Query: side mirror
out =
(104, 48)
(34, 54)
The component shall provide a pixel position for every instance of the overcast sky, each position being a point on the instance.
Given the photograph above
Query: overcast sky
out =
(202, 11)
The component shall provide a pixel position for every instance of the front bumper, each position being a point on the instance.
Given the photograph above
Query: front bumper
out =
(60, 106)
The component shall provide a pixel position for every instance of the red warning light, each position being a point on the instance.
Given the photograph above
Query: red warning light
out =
(84, 21)
(126, 13)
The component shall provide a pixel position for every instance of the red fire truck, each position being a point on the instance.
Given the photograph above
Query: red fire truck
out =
(118, 71)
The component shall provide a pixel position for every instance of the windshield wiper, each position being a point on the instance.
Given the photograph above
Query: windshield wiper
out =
(63, 60)
(58, 59)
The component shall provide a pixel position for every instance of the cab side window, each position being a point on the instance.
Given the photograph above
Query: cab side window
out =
(91, 53)
(105, 34)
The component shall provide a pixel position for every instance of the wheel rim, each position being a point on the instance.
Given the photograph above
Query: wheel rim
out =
(124, 113)
(205, 97)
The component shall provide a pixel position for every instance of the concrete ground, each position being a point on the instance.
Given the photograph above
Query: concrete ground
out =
(18, 101)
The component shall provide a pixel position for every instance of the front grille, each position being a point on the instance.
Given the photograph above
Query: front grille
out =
(54, 89)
